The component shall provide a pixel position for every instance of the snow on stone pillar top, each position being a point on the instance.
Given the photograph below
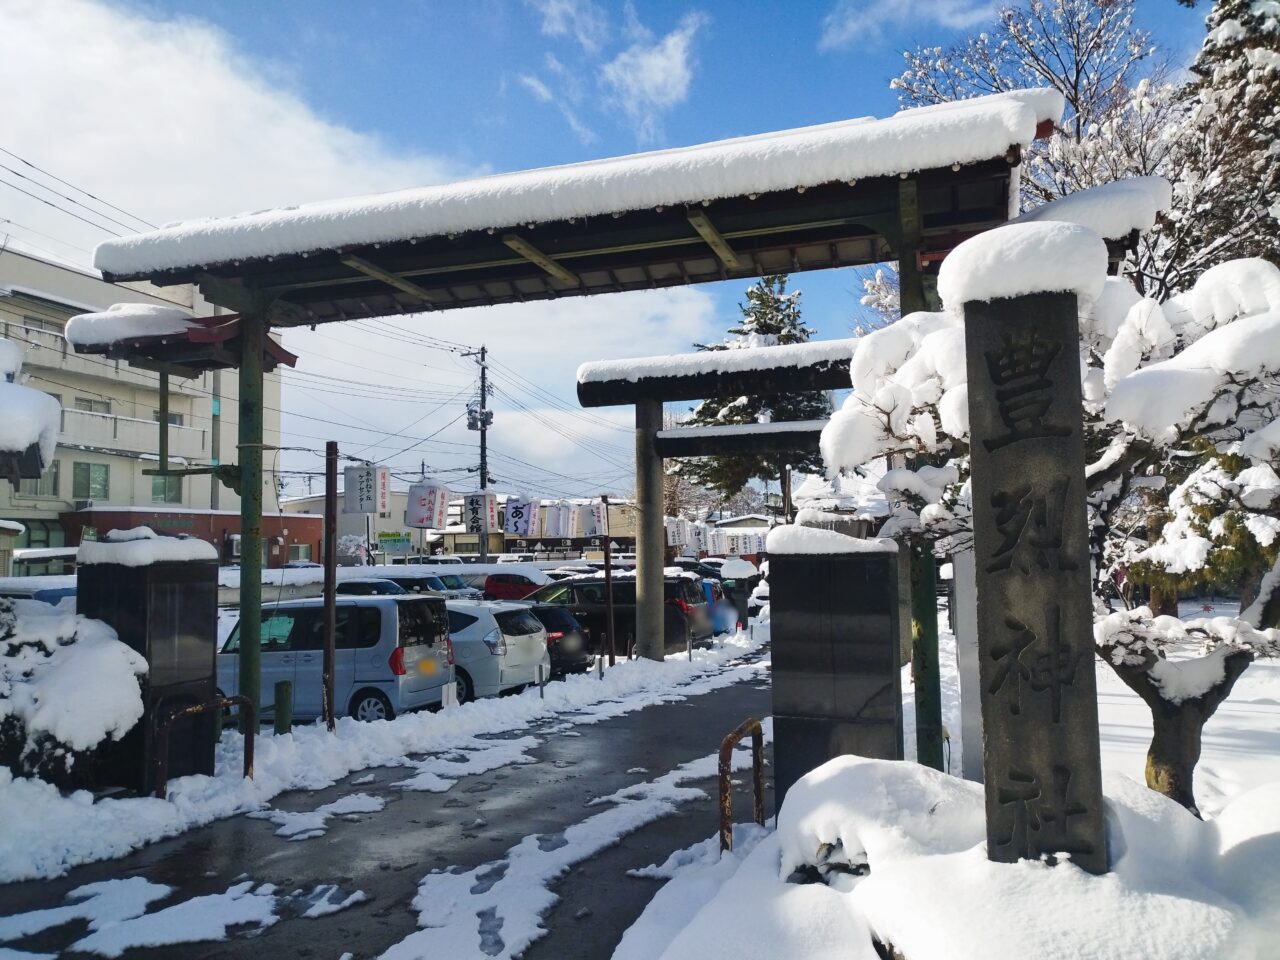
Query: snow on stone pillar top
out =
(1025, 258)
(815, 540)
(10, 360)
(28, 417)
(141, 547)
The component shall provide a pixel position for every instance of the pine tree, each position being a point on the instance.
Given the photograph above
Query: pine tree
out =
(770, 317)
(1236, 123)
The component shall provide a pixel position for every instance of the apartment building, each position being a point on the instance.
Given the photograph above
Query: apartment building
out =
(110, 419)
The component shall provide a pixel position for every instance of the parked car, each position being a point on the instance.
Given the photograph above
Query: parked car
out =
(496, 647)
(697, 567)
(392, 655)
(300, 565)
(685, 612)
(568, 641)
(724, 615)
(458, 589)
(370, 587)
(508, 586)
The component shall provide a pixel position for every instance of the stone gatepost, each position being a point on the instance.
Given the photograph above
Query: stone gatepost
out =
(1035, 617)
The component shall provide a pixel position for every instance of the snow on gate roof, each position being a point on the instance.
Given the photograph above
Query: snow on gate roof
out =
(929, 138)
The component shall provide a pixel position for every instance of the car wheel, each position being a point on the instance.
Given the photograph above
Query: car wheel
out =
(368, 705)
(466, 690)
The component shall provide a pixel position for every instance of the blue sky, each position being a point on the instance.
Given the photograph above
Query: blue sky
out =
(173, 109)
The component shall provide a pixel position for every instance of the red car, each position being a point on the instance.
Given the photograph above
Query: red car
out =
(508, 586)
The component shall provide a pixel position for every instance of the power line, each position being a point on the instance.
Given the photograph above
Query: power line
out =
(42, 186)
(49, 203)
(52, 176)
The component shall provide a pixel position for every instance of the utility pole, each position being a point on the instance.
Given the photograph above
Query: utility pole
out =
(330, 576)
(480, 420)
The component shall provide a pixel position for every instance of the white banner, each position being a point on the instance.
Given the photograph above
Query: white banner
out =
(360, 490)
(600, 519)
(522, 516)
(480, 512)
(427, 507)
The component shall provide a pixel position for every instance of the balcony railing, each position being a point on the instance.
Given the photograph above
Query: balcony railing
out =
(130, 434)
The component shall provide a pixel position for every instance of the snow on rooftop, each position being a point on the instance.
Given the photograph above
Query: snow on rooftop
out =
(125, 321)
(28, 416)
(743, 429)
(923, 138)
(1112, 210)
(814, 540)
(1024, 258)
(12, 527)
(718, 361)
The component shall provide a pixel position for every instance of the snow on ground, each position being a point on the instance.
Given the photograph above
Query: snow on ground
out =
(46, 833)
(308, 824)
(496, 909)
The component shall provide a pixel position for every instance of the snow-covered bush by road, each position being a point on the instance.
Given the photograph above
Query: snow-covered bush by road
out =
(67, 684)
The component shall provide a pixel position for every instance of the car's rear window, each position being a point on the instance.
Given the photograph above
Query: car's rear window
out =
(518, 623)
(460, 621)
(452, 581)
(418, 623)
(556, 618)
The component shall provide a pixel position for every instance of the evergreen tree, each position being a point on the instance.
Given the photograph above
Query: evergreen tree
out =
(1236, 125)
(770, 317)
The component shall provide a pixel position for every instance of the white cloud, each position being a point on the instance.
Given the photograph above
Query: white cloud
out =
(581, 19)
(850, 21)
(649, 78)
(168, 119)
(563, 103)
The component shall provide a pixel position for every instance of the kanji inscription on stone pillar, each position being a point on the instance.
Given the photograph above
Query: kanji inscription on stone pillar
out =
(1035, 610)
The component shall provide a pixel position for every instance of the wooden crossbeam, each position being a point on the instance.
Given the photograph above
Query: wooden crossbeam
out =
(387, 277)
(718, 244)
(531, 253)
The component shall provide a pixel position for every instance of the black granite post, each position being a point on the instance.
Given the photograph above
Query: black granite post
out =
(1035, 616)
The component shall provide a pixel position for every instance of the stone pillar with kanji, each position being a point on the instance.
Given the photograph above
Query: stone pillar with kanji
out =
(1035, 615)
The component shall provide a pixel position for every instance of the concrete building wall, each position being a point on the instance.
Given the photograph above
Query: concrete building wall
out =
(109, 419)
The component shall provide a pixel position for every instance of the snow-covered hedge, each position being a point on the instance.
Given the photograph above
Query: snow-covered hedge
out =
(67, 684)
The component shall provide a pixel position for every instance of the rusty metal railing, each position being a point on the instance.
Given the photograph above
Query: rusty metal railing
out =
(164, 721)
(752, 726)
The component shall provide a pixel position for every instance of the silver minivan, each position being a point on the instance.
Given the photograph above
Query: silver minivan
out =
(392, 655)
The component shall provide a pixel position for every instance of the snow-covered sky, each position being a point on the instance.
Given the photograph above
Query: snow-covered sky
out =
(172, 109)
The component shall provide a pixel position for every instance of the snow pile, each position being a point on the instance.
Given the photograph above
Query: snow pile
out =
(815, 540)
(47, 833)
(925, 138)
(66, 685)
(1023, 258)
(11, 356)
(1112, 210)
(28, 416)
(895, 850)
(735, 568)
(739, 360)
(127, 321)
(141, 547)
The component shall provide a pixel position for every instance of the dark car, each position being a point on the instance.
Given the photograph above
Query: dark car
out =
(685, 613)
(703, 570)
(370, 587)
(568, 641)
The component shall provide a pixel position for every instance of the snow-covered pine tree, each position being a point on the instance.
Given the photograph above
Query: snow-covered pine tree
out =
(770, 317)
(1235, 123)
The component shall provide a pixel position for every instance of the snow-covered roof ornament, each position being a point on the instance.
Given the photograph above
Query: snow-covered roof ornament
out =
(127, 321)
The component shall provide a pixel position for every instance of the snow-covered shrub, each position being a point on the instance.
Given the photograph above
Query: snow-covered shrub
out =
(67, 686)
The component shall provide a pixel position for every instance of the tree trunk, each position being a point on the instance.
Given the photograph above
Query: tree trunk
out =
(1175, 751)
(1163, 603)
(1178, 727)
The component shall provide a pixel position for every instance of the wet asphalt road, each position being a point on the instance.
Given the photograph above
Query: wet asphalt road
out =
(386, 854)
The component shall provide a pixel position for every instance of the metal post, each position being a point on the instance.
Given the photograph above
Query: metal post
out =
(253, 334)
(542, 683)
(164, 431)
(330, 578)
(650, 533)
(924, 656)
(786, 492)
(600, 666)
(284, 706)
(484, 447)
(608, 583)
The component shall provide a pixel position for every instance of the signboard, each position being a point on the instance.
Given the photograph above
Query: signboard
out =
(600, 518)
(522, 516)
(557, 524)
(395, 543)
(88, 534)
(480, 512)
(366, 490)
(427, 506)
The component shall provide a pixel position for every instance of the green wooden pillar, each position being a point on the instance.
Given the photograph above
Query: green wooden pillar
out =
(253, 334)
(918, 292)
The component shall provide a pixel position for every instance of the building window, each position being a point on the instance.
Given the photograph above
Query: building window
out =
(90, 481)
(90, 405)
(175, 419)
(46, 486)
(39, 323)
(299, 551)
(166, 490)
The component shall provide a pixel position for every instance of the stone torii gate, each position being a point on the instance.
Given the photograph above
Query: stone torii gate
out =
(907, 188)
